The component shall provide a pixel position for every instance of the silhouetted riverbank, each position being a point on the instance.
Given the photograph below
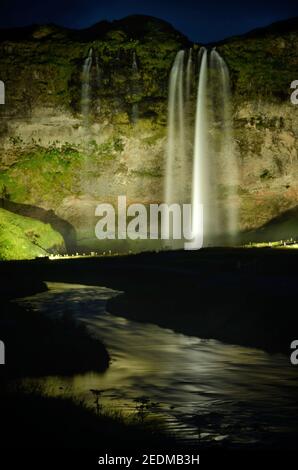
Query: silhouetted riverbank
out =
(37, 345)
(32, 420)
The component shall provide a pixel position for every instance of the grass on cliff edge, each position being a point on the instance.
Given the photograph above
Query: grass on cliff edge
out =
(24, 238)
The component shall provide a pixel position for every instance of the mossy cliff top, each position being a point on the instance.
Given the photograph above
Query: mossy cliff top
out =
(42, 66)
(264, 62)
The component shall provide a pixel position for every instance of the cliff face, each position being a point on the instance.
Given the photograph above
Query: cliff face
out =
(263, 64)
(53, 159)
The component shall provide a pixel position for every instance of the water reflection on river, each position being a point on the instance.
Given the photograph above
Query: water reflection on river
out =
(241, 394)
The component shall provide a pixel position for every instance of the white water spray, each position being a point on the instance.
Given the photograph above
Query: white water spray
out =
(175, 164)
(200, 175)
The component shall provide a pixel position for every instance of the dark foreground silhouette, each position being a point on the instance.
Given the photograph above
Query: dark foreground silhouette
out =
(33, 421)
(37, 345)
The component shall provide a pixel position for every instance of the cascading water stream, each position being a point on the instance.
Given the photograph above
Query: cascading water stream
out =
(228, 163)
(181, 131)
(214, 173)
(135, 71)
(176, 134)
(175, 184)
(200, 174)
(85, 110)
(134, 63)
(97, 83)
(189, 76)
(85, 98)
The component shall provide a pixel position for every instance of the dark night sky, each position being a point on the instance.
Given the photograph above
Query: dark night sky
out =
(201, 21)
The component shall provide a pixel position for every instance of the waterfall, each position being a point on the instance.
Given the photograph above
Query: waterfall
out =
(85, 98)
(134, 63)
(135, 72)
(200, 162)
(97, 85)
(189, 76)
(175, 165)
(227, 159)
(210, 165)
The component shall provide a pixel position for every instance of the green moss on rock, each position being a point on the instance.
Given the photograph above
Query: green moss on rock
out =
(25, 238)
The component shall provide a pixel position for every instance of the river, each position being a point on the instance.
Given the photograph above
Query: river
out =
(201, 389)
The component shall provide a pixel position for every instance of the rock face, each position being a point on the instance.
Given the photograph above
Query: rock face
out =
(263, 64)
(52, 158)
(22, 237)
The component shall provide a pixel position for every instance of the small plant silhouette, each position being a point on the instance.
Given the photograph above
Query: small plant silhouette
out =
(97, 394)
(143, 407)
